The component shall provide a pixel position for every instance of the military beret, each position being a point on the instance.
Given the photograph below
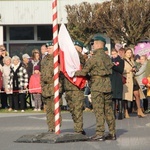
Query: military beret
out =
(50, 43)
(105, 49)
(99, 38)
(78, 43)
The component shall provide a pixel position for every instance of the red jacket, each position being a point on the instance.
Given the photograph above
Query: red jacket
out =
(35, 83)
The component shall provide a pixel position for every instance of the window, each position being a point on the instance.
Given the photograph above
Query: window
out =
(4, 33)
(20, 49)
(21, 33)
(45, 32)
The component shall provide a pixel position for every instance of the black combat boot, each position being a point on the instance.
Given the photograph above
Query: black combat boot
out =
(81, 132)
(98, 138)
(110, 137)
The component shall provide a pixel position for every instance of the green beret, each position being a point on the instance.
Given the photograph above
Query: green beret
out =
(105, 49)
(79, 43)
(99, 38)
(50, 43)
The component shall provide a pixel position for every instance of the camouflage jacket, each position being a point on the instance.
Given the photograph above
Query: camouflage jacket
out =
(68, 86)
(100, 67)
(47, 73)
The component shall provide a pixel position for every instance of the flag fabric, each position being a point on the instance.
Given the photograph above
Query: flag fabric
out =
(69, 58)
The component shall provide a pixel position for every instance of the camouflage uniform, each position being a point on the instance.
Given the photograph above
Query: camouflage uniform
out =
(75, 100)
(99, 66)
(47, 84)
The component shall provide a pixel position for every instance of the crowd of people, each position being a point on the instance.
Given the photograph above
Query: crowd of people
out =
(114, 86)
(20, 79)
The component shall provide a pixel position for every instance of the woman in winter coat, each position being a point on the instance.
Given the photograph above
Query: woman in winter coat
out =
(5, 76)
(131, 86)
(17, 83)
(116, 82)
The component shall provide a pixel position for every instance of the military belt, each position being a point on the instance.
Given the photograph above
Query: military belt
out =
(96, 77)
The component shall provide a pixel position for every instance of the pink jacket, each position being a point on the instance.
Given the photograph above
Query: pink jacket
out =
(35, 83)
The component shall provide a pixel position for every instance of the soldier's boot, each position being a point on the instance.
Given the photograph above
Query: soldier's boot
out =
(120, 114)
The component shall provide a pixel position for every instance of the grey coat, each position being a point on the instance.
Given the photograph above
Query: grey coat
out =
(141, 73)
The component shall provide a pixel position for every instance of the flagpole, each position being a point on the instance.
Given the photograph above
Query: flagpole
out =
(56, 71)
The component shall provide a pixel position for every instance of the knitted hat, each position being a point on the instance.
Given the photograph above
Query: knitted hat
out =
(36, 68)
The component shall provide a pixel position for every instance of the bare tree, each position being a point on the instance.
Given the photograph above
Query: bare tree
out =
(124, 20)
(80, 21)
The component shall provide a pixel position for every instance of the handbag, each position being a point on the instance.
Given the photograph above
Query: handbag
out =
(124, 79)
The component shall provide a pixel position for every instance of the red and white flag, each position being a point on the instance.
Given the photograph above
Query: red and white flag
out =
(69, 58)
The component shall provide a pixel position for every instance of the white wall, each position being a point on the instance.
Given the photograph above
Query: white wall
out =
(18, 12)
(1, 35)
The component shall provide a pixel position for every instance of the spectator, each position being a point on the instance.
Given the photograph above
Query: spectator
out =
(3, 53)
(131, 87)
(35, 58)
(121, 52)
(17, 84)
(35, 61)
(27, 64)
(148, 95)
(35, 88)
(116, 82)
(140, 74)
(29, 67)
(6, 72)
(44, 51)
(137, 61)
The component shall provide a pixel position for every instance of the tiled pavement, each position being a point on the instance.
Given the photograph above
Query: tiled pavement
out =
(132, 134)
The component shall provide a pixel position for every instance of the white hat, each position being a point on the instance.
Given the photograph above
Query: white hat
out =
(25, 56)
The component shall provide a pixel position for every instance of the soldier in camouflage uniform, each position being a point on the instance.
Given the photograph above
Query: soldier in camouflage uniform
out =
(75, 96)
(47, 84)
(100, 67)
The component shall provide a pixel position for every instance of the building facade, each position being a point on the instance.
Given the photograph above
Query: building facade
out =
(27, 24)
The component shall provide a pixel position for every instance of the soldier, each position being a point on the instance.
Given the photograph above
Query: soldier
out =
(47, 84)
(75, 96)
(100, 67)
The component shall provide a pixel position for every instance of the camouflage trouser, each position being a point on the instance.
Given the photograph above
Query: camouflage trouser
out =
(102, 105)
(75, 101)
(50, 115)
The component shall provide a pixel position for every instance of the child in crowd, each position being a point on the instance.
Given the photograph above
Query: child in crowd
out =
(35, 88)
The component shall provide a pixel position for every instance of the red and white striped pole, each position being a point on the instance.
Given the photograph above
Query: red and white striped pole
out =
(56, 70)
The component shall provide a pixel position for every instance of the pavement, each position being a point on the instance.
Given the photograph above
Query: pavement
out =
(132, 133)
